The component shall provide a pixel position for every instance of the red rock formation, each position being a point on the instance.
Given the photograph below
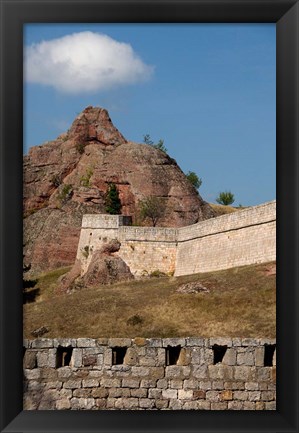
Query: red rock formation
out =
(67, 177)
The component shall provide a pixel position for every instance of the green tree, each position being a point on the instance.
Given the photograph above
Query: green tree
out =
(152, 208)
(226, 198)
(194, 179)
(112, 200)
(160, 145)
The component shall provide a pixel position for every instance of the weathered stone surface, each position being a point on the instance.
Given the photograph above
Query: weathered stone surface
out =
(29, 360)
(146, 387)
(92, 154)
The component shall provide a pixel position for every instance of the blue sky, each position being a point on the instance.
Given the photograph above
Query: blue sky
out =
(208, 90)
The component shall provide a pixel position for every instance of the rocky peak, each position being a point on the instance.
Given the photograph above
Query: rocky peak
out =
(94, 124)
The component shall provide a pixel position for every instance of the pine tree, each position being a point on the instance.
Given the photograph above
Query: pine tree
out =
(112, 200)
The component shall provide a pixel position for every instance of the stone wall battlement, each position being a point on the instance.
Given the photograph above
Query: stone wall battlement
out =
(147, 374)
(241, 238)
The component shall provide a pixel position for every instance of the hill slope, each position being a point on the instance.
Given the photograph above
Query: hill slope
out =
(238, 302)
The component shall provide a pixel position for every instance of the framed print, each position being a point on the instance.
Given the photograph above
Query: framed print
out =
(90, 350)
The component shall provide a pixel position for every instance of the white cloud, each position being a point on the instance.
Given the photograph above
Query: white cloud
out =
(84, 62)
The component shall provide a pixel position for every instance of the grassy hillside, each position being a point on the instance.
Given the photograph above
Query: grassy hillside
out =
(240, 303)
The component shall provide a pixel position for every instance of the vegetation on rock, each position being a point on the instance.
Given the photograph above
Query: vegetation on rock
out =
(226, 198)
(112, 200)
(152, 208)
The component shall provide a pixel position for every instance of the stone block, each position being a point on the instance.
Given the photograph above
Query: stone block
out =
(64, 342)
(250, 342)
(139, 392)
(254, 395)
(76, 360)
(169, 393)
(161, 404)
(190, 405)
(221, 341)
(205, 384)
(42, 359)
(226, 395)
(63, 404)
(53, 385)
(259, 356)
(42, 343)
(146, 403)
(26, 343)
(191, 384)
(221, 405)
(212, 395)
(235, 405)
(89, 360)
(139, 341)
(155, 393)
(270, 405)
(82, 403)
(86, 392)
(172, 342)
(230, 357)
(148, 383)
(29, 360)
(177, 371)
(147, 361)
(176, 383)
(119, 392)
(263, 373)
(203, 405)
(110, 383)
(52, 358)
(101, 403)
(154, 342)
(195, 341)
(246, 358)
(108, 356)
(175, 404)
(199, 394)
(100, 392)
(64, 372)
(72, 384)
(184, 394)
(240, 395)
(237, 342)
(200, 372)
(90, 383)
(251, 386)
(141, 371)
(267, 395)
(259, 405)
(119, 342)
(217, 384)
(220, 371)
(249, 405)
(86, 342)
(162, 383)
(130, 383)
(242, 372)
(101, 341)
(198, 355)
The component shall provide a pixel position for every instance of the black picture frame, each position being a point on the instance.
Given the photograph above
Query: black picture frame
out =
(15, 13)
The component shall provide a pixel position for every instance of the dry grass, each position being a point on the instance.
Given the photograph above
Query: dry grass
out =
(222, 210)
(241, 303)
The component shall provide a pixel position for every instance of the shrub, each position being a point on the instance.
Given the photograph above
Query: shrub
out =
(194, 179)
(56, 180)
(80, 148)
(152, 208)
(160, 145)
(85, 179)
(226, 198)
(157, 274)
(65, 193)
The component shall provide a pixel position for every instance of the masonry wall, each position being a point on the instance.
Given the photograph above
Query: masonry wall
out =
(241, 238)
(236, 239)
(204, 374)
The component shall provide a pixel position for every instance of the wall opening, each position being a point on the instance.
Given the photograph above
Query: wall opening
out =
(219, 352)
(172, 354)
(269, 353)
(63, 356)
(118, 355)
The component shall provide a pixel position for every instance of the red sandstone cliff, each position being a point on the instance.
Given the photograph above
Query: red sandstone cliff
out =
(67, 177)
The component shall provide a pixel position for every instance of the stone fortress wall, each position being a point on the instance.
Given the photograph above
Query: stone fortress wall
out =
(149, 374)
(240, 238)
